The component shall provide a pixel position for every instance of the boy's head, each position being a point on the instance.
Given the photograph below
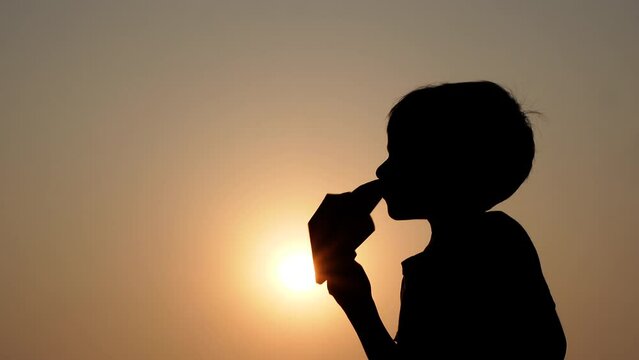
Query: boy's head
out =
(455, 147)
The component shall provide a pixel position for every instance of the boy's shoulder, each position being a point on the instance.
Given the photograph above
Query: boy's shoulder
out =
(494, 237)
(501, 226)
(507, 239)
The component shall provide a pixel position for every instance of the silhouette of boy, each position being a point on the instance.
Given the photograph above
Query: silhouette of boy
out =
(477, 291)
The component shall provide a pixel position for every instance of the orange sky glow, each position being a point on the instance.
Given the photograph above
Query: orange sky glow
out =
(160, 162)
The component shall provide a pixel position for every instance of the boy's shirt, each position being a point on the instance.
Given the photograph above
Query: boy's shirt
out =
(481, 292)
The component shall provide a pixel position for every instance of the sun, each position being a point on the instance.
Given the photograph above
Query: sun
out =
(295, 272)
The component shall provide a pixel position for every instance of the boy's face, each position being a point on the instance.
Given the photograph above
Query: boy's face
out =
(416, 178)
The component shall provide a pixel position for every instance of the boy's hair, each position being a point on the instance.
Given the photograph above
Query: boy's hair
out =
(478, 128)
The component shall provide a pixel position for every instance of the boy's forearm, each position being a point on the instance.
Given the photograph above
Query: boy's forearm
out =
(377, 342)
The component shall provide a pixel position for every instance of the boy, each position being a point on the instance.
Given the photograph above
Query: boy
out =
(477, 291)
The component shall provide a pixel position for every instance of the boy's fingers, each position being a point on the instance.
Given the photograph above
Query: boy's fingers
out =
(368, 195)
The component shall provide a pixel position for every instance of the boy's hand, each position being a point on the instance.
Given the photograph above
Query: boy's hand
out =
(348, 284)
(340, 224)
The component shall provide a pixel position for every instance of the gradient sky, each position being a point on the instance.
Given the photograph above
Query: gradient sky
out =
(158, 158)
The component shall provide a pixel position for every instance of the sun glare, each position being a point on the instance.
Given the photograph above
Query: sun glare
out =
(296, 272)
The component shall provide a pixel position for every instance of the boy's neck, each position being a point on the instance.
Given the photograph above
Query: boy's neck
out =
(448, 227)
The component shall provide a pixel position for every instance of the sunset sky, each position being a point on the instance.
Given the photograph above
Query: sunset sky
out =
(159, 161)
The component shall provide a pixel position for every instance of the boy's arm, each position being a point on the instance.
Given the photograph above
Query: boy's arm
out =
(351, 288)
(340, 224)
